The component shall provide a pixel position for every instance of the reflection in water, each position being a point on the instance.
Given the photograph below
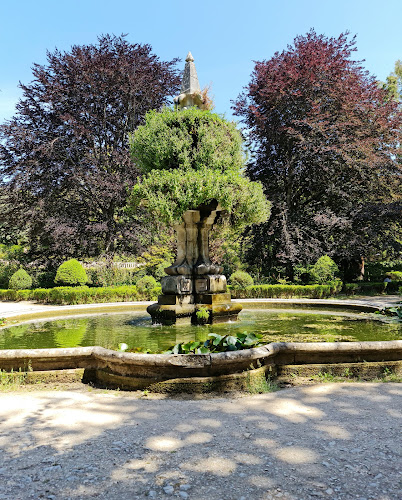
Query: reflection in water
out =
(136, 329)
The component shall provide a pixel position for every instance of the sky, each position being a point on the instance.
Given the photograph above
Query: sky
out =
(225, 37)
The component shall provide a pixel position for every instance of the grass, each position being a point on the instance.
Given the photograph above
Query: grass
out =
(12, 380)
(386, 376)
(261, 386)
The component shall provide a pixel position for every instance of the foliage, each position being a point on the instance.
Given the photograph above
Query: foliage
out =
(393, 84)
(146, 284)
(287, 291)
(187, 139)
(218, 343)
(104, 275)
(7, 269)
(325, 270)
(20, 280)
(202, 314)
(64, 158)
(373, 288)
(394, 275)
(376, 271)
(191, 157)
(70, 273)
(350, 288)
(240, 279)
(397, 311)
(325, 141)
(79, 295)
(155, 259)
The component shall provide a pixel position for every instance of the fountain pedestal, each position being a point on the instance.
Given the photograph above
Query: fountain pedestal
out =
(194, 282)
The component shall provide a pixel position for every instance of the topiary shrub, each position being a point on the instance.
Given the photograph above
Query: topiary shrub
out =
(324, 270)
(240, 280)
(71, 273)
(20, 280)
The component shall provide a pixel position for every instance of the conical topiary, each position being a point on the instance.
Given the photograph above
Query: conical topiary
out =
(71, 273)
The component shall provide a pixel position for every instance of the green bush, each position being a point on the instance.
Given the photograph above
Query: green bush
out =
(146, 284)
(324, 270)
(370, 288)
(71, 273)
(393, 286)
(20, 280)
(288, 291)
(394, 275)
(375, 271)
(7, 269)
(350, 288)
(112, 276)
(148, 288)
(240, 280)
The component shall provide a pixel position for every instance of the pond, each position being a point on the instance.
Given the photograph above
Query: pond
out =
(135, 329)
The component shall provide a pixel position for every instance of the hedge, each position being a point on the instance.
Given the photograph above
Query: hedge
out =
(80, 295)
(366, 287)
(287, 291)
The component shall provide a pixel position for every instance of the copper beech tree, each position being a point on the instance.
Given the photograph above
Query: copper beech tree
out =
(324, 140)
(65, 167)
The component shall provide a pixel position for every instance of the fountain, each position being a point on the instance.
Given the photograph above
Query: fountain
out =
(194, 284)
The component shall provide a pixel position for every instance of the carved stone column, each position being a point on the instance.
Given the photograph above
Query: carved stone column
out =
(193, 281)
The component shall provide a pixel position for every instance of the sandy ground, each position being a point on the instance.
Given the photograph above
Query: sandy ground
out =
(334, 441)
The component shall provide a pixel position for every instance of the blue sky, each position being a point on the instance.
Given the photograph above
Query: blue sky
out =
(224, 36)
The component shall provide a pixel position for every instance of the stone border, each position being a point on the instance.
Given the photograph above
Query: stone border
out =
(139, 371)
(173, 373)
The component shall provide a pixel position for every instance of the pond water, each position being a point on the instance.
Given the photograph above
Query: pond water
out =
(135, 329)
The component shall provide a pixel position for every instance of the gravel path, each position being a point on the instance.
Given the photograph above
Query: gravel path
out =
(333, 441)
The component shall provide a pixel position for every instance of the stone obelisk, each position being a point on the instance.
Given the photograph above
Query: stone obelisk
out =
(193, 281)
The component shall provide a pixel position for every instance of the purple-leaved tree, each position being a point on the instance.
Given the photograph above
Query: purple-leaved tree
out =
(325, 141)
(65, 167)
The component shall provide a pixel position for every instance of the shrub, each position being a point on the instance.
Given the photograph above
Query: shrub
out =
(240, 280)
(148, 288)
(7, 269)
(112, 276)
(350, 288)
(71, 273)
(325, 270)
(20, 280)
(395, 275)
(287, 291)
(146, 284)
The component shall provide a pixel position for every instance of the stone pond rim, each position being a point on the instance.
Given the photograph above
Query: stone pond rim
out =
(201, 373)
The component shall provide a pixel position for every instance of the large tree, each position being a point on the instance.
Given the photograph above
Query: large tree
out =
(324, 139)
(64, 158)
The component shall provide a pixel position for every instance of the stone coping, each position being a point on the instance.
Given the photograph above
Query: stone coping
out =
(167, 366)
(29, 310)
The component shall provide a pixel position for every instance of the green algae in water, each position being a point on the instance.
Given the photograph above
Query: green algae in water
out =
(136, 330)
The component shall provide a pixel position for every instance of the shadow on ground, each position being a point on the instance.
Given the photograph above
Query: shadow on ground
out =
(337, 441)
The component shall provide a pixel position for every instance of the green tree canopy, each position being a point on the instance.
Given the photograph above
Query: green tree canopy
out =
(189, 158)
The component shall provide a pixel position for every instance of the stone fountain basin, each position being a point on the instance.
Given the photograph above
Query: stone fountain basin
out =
(218, 370)
(201, 372)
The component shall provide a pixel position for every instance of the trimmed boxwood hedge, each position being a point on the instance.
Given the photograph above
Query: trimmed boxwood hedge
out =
(287, 291)
(80, 295)
(369, 287)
